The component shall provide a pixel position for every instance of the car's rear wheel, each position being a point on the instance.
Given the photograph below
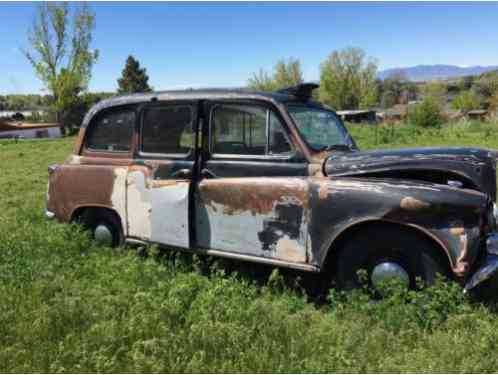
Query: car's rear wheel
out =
(387, 254)
(104, 227)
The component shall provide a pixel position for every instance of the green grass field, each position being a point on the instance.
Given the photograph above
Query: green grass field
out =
(67, 305)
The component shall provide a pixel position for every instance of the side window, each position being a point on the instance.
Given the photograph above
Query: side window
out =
(242, 130)
(278, 143)
(238, 129)
(112, 131)
(167, 129)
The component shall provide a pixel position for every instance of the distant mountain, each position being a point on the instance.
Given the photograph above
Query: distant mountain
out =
(431, 72)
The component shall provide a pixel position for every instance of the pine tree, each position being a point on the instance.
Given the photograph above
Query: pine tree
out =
(133, 78)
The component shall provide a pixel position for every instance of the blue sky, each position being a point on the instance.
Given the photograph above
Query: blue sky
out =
(222, 44)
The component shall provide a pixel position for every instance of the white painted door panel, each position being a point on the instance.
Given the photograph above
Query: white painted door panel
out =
(264, 217)
(157, 209)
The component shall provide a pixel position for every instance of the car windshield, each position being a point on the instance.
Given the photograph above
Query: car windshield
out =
(322, 129)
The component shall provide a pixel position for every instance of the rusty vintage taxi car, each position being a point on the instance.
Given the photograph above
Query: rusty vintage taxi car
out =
(276, 178)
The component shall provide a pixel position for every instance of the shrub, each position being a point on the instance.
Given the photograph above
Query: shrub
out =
(467, 101)
(426, 114)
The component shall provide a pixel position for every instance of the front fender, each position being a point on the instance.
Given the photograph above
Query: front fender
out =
(453, 218)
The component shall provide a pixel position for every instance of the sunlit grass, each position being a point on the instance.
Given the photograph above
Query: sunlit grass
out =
(67, 305)
(458, 134)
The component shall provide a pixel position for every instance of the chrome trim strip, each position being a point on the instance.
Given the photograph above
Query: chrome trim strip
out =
(256, 259)
(135, 241)
(236, 256)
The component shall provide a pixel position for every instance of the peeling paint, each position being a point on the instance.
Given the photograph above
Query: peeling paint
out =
(294, 218)
(254, 216)
(158, 210)
(410, 203)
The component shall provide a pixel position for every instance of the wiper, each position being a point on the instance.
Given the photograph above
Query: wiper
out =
(338, 146)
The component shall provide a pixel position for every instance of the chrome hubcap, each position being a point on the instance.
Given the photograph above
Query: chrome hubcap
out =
(387, 271)
(103, 235)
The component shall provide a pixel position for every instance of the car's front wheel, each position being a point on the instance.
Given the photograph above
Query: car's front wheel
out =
(386, 254)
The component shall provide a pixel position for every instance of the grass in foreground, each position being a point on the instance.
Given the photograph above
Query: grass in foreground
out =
(67, 305)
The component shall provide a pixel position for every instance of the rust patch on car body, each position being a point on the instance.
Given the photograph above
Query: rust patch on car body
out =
(450, 217)
(295, 219)
(256, 195)
(287, 220)
(264, 217)
(73, 186)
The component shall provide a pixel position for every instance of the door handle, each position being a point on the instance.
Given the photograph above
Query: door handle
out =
(206, 173)
(182, 173)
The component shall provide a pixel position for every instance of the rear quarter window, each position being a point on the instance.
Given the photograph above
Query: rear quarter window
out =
(168, 129)
(112, 131)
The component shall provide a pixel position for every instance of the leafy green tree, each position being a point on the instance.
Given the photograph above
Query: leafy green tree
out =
(486, 86)
(427, 113)
(396, 90)
(285, 74)
(133, 78)
(261, 81)
(85, 102)
(348, 80)
(435, 90)
(466, 83)
(492, 102)
(15, 102)
(467, 101)
(388, 99)
(60, 52)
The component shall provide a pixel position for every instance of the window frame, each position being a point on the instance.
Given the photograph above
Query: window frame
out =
(86, 149)
(267, 156)
(159, 155)
(318, 108)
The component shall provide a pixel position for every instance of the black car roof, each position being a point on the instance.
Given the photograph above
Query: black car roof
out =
(197, 94)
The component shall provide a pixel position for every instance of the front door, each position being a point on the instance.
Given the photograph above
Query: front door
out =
(159, 182)
(252, 198)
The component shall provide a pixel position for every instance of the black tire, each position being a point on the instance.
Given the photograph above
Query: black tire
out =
(374, 245)
(92, 218)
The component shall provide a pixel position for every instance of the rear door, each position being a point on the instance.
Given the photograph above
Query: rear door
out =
(159, 182)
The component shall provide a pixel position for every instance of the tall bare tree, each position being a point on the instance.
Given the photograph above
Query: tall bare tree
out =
(60, 51)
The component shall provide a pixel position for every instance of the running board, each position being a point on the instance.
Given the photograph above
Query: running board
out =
(236, 256)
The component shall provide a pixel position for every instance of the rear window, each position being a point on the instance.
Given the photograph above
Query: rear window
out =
(112, 131)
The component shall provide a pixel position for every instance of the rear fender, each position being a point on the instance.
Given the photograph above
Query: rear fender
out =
(72, 187)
